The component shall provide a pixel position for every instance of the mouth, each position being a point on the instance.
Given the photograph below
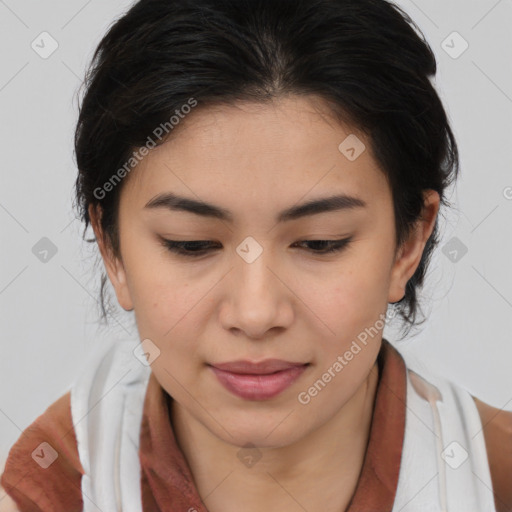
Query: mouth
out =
(258, 381)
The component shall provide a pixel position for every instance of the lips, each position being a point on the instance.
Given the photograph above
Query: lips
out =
(261, 368)
(258, 381)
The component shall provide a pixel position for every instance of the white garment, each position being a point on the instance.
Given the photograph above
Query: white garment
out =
(107, 405)
(458, 451)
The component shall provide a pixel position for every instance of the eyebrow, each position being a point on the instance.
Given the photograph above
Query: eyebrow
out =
(175, 202)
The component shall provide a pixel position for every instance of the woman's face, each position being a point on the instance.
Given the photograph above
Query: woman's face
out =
(260, 291)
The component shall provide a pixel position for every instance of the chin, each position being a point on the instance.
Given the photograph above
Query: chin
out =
(268, 432)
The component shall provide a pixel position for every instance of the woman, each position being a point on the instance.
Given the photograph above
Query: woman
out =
(263, 179)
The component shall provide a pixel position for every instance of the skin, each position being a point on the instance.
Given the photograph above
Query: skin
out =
(256, 160)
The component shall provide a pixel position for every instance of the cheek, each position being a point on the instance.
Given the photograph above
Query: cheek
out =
(351, 308)
(164, 306)
(355, 296)
(168, 304)
(159, 291)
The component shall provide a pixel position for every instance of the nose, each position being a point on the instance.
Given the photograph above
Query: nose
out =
(257, 298)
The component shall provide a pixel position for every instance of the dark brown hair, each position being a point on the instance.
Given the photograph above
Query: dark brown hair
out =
(366, 58)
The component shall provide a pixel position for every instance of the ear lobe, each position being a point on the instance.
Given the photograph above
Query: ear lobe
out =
(410, 252)
(113, 264)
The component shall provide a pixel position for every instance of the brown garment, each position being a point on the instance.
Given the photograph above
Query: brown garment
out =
(166, 479)
(56, 488)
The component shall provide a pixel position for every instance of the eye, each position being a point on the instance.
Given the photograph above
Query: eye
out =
(326, 246)
(196, 248)
(193, 248)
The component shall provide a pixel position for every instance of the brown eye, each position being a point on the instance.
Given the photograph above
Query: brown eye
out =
(192, 248)
(326, 246)
(195, 248)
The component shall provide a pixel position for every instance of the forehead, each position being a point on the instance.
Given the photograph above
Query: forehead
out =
(281, 151)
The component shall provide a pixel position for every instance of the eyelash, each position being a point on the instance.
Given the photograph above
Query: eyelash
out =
(178, 247)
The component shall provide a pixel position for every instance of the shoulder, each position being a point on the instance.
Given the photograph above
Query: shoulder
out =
(43, 470)
(497, 428)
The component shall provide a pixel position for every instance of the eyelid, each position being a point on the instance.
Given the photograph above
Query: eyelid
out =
(176, 246)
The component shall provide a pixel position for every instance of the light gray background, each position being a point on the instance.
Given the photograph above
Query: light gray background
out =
(49, 310)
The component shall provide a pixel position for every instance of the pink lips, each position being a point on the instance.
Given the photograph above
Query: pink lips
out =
(258, 381)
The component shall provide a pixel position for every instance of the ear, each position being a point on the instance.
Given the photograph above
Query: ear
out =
(113, 265)
(409, 254)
